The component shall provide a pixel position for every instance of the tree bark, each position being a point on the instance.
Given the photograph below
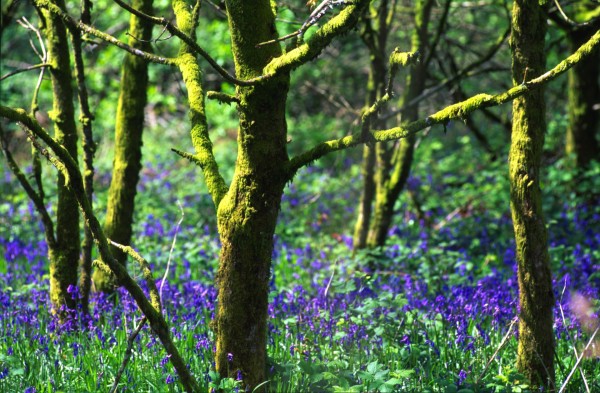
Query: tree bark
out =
(128, 142)
(536, 336)
(584, 93)
(397, 170)
(64, 258)
(248, 212)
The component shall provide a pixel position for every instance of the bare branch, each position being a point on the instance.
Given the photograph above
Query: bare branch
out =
(20, 70)
(37, 199)
(128, 353)
(451, 112)
(191, 42)
(72, 23)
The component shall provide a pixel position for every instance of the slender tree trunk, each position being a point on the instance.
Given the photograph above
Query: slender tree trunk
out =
(128, 142)
(64, 259)
(375, 35)
(401, 160)
(536, 300)
(365, 207)
(248, 213)
(584, 93)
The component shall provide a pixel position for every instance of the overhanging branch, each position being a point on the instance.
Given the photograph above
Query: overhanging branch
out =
(454, 111)
(339, 24)
(74, 24)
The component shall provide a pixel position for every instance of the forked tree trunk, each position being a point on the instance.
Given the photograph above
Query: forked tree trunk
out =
(584, 93)
(536, 336)
(248, 213)
(64, 258)
(129, 127)
(391, 184)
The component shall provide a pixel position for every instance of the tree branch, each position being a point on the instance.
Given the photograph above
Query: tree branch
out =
(191, 42)
(451, 112)
(73, 24)
(339, 24)
(36, 198)
(192, 77)
(30, 68)
(70, 170)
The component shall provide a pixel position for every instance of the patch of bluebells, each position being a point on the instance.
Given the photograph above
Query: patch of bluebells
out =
(335, 306)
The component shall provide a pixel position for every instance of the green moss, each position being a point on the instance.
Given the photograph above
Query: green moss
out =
(318, 41)
(64, 258)
(535, 356)
(129, 128)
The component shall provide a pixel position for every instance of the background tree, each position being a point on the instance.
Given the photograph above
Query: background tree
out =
(128, 141)
(536, 298)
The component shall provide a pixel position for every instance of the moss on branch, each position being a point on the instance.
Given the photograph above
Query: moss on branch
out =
(452, 112)
(338, 25)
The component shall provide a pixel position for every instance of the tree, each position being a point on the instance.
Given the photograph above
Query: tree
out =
(64, 257)
(536, 299)
(128, 141)
(247, 209)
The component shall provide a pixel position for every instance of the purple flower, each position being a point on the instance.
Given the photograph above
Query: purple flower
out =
(169, 379)
(230, 357)
(462, 375)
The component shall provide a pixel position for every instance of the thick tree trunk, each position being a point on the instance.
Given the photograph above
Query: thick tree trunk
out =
(398, 169)
(128, 142)
(248, 213)
(64, 258)
(584, 93)
(536, 300)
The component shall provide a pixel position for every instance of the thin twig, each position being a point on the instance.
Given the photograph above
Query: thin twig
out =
(502, 344)
(193, 45)
(128, 353)
(162, 283)
(562, 314)
(30, 68)
(579, 359)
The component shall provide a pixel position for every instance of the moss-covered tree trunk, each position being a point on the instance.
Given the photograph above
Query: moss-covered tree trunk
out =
(64, 258)
(536, 300)
(376, 42)
(584, 93)
(248, 213)
(128, 142)
(392, 181)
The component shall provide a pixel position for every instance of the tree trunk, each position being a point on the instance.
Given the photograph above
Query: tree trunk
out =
(128, 142)
(64, 259)
(584, 93)
(365, 207)
(401, 160)
(375, 36)
(248, 213)
(536, 300)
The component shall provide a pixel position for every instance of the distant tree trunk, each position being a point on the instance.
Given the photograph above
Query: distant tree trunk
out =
(64, 259)
(365, 206)
(391, 183)
(128, 142)
(536, 300)
(584, 93)
(374, 34)
(248, 213)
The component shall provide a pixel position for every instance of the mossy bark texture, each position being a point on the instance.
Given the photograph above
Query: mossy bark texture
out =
(64, 258)
(248, 212)
(128, 142)
(374, 35)
(394, 166)
(584, 93)
(536, 300)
